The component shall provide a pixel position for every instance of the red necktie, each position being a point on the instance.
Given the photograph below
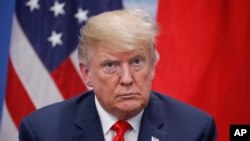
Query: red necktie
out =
(120, 127)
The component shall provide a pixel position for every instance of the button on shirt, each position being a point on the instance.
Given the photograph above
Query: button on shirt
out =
(108, 120)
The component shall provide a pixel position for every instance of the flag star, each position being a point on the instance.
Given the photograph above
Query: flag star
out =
(57, 8)
(81, 15)
(33, 4)
(55, 38)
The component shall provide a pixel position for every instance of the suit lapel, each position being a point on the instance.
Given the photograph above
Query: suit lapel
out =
(93, 132)
(87, 123)
(153, 123)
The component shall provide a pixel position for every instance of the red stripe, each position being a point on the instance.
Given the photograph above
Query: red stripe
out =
(17, 99)
(67, 80)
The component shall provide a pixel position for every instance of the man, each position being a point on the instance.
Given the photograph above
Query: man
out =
(117, 59)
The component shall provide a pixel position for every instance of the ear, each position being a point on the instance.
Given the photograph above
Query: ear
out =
(86, 75)
(152, 73)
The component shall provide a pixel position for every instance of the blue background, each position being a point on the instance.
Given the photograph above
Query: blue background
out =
(6, 12)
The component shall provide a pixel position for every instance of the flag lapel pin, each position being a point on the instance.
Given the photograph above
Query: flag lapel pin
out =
(154, 139)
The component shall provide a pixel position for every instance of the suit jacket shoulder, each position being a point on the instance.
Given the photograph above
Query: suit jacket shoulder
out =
(63, 121)
(166, 118)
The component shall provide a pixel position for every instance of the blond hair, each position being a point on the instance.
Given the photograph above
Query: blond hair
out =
(120, 30)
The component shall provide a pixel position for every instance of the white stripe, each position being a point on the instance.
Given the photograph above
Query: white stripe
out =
(33, 75)
(8, 130)
(75, 62)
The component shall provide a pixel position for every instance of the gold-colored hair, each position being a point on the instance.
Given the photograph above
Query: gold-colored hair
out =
(120, 30)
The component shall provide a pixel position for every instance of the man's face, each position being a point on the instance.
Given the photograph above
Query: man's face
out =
(121, 80)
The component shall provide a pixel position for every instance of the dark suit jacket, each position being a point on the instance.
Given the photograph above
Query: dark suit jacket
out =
(77, 120)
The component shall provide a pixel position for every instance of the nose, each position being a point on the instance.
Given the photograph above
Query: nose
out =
(126, 76)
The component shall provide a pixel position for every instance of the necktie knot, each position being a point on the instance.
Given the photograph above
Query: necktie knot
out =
(120, 127)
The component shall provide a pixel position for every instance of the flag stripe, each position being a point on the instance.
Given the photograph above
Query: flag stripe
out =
(74, 59)
(38, 81)
(13, 100)
(8, 131)
(67, 70)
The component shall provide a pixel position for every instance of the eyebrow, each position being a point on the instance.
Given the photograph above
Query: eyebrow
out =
(108, 57)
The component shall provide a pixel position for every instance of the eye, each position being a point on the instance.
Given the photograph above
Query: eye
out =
(137, 63)
(109, 67)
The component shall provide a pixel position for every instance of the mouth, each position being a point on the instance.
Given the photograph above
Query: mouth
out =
(128, 95)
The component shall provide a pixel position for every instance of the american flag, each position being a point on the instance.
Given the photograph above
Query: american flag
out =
(43, 66)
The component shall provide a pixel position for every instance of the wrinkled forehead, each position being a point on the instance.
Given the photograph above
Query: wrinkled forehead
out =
(120, 52)
(124, 45)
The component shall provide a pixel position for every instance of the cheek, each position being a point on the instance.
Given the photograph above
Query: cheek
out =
(144, 83)
(107, 81)
(104, 84)
(145, 77)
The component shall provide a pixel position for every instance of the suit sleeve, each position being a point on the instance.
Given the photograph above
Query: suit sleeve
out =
(25, 131)
(210, 132)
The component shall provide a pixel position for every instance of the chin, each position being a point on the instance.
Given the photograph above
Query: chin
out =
(131, 107)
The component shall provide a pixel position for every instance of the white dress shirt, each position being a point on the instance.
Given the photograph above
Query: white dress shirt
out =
(108, 120)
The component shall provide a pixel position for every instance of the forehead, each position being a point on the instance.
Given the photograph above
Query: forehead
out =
(122, 54)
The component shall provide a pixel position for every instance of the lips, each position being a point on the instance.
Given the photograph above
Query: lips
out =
(128, 95)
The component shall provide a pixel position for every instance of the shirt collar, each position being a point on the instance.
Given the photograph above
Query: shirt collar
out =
(108, 120)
